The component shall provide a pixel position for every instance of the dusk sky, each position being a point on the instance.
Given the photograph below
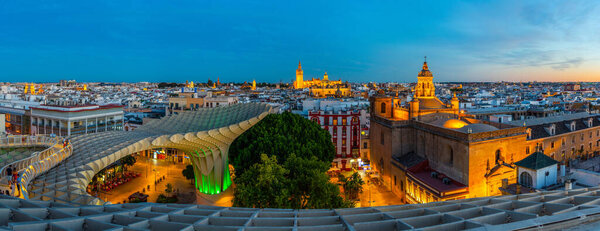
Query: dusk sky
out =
(359, 41)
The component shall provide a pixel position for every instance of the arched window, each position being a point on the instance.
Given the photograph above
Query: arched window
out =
(382, 108)
(451, 159)
(526, 179)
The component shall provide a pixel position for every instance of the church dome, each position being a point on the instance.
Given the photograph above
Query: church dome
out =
(425, 71)
(477, 128)
(449, 123)
(454, 124)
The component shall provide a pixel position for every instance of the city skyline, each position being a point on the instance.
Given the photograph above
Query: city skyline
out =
(237, 42)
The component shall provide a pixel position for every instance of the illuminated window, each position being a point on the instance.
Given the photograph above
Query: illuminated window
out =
(335, 121)
(527, 150)
(344, 121)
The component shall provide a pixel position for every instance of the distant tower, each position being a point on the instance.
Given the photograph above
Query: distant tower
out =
(424, 87)
(299, 77)
(254, 85)
(218, 82)
(325, 76)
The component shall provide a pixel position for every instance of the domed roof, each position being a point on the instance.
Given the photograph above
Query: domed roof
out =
(454, 124)
(425, 71)
(449, 123)
(477, 128)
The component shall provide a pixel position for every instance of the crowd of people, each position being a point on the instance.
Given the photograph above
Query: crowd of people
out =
(14, 182)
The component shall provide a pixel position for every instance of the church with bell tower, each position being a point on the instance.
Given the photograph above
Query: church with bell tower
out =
(424, 87)
(423, 103)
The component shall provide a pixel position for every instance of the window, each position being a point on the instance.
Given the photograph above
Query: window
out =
(343, 131)
(573, 139)
(395, 180)
(552, 144)
(335, 121)
(354, 120)
(590, 134)
(401, 187)
(382, 141)
(334, 131)
(326, 121)
(382, 108)
(527, 150)
(563, 141)
(581, 136)
(344, 121)
(365, 145)
(315, 119)
(451, 159)
(526, 179)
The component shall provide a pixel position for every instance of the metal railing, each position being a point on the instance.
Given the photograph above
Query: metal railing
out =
(38, 162)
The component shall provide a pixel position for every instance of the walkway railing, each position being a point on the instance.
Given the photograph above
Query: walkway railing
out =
(38, 162)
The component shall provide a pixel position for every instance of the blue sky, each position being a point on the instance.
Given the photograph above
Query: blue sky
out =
(263, 40)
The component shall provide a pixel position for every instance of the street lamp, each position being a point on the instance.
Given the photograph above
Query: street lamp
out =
(154, 170)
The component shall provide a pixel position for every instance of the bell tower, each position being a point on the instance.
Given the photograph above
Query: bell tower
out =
(299, 83)
(425, 87)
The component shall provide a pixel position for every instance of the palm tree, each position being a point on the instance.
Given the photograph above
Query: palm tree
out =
(352, 185)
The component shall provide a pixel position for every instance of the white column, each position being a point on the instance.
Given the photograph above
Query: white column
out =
(96, 124)
(86, 125)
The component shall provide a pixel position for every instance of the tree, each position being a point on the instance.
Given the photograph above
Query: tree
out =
(128, 161)
(310, 187)
(352, 185)
(281, 135)
(300, 183)
(188, 173)
(263, 185)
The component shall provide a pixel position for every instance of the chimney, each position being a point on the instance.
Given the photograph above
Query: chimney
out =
(568, 185)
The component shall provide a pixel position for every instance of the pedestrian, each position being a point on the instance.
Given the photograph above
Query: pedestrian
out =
(15, 175)
(9, 173)
(19, 184)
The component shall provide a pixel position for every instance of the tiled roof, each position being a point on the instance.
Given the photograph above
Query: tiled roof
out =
(536, 161)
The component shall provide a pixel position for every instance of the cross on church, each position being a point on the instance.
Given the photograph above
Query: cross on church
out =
(425, 58)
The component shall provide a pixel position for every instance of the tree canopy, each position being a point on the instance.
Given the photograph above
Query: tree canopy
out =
(188, 172)
(281, 135)
(299, 183)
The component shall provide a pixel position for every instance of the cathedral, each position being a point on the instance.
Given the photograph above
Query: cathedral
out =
(321, 88)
